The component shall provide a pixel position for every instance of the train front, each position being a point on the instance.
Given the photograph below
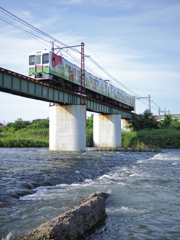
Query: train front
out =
(39, 65)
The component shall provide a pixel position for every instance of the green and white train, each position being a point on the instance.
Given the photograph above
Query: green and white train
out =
(47, 66)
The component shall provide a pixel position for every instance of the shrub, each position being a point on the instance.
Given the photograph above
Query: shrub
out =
(163, 138)
(10, 142)
(143, 121)
(89, 137)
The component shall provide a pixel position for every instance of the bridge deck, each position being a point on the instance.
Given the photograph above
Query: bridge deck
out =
(21, 85)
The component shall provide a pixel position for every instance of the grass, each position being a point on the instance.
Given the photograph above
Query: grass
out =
(157, 138)
(25, 138)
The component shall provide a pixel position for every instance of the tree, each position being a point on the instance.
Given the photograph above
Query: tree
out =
(39, 124)
(166, 123)
(89, 122)
(18, 124)
(143, 121)
(176, 123)
(89, 131)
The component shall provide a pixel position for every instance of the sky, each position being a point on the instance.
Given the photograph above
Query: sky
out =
(136, 41)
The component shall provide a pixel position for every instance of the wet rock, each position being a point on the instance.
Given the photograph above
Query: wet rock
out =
(72, 224)
(14, 195)
(3, 205)
(21, 194)
(28, 186)
(91, 196)
(47, 183)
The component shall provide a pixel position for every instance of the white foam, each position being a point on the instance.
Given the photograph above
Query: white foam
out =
(120, 176)
(57, 191)
(166, 157)
(8, 237)
(124, 209)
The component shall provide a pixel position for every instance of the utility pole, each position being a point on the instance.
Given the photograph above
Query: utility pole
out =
(149, 101)
(83, 89)
(161, 111)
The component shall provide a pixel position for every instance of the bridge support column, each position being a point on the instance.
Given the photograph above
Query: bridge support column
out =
(107, 130)
(67, 128)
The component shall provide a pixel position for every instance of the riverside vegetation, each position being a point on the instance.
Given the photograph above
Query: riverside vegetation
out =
(145, 132)
(25, 134)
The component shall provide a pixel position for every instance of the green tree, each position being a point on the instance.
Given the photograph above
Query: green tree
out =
(143, 121)
(17, 125)
(89, 131)
(166, 123)
(176, 123)
(89, 122)
(39, 124)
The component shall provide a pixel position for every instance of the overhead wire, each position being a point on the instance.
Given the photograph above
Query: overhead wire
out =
(29, 33)
(60, 29)
(36, 29)
(48, 20)
(56, 42)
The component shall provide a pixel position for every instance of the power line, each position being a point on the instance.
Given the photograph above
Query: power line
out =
(48, 20)
(47, 38)
(78, 40)
(29, 33)
(57, 41)
(35, 29)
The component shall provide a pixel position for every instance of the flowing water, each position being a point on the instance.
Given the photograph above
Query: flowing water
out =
(37, 185)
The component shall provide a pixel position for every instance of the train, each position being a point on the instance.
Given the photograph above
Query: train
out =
(45, 65)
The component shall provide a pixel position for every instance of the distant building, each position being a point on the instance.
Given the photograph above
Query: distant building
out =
(160, 118)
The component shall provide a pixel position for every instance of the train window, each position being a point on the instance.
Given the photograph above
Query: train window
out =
(45, 58)
(31, 59)
(38, 59)
(68, 67)
(90, 78)
(74, 71)
(78, 73)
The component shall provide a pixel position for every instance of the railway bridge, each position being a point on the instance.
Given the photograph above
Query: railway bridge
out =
(68, 113)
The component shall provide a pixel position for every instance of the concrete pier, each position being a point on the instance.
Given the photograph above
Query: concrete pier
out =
(107, 130)
(67, 128)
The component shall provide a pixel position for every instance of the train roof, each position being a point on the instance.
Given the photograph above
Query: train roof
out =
(39, 52)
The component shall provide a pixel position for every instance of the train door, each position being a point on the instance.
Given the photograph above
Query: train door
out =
(106, 90)
(35, 64)
(94, 84)
(45, 63)
(38, 63)
(32, 65)
(57, 66)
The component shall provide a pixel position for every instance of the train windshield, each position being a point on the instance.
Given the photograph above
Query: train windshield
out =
(32, 60)
(45, 58)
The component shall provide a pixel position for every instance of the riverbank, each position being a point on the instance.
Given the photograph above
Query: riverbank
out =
(37, 135)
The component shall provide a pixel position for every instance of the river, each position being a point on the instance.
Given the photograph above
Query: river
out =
(37, 185)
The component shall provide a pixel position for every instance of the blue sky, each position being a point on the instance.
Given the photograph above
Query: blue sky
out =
(136, 41)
